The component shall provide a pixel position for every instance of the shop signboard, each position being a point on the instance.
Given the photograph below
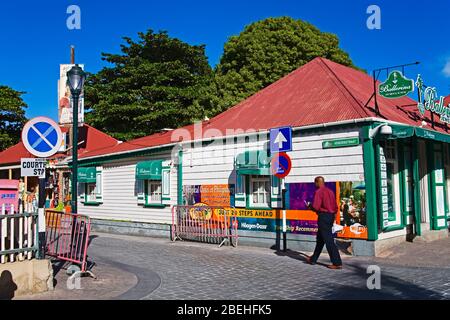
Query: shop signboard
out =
(340, 143)
(396, 86)
(9, 195)
(33, 167)
(429, 100)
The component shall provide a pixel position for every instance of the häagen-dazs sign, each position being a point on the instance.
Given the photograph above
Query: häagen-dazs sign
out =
(396, 86)
(429, 100)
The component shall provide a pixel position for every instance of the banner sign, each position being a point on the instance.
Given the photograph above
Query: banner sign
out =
(33, 167)
(65, 102)
(396, 86)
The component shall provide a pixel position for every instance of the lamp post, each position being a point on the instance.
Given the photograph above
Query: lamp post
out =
(75, 80)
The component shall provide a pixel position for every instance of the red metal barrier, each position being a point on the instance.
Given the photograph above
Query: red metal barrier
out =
(67, 237)
(205, 224)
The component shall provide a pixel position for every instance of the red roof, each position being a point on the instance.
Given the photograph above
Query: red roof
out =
(447, 100)
(91, 138)
(321, 91)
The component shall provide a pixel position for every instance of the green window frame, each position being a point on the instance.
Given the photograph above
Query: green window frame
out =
(90, 192)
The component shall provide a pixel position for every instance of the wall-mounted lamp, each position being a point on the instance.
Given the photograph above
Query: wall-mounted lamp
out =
(384, 129)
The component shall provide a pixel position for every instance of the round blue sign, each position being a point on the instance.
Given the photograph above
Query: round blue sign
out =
(42, 137)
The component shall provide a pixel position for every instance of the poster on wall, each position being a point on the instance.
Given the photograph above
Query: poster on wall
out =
(65, 110)
(352, 210)
(350, 198)
(214, 195)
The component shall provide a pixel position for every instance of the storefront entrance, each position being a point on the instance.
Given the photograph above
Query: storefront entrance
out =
(413, 184)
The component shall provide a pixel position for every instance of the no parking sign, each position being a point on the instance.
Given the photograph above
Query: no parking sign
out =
(42, 137)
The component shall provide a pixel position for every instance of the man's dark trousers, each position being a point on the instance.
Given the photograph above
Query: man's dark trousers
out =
(325, 237)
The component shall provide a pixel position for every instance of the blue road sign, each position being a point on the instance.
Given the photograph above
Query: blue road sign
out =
(42, 137)
(280, 140)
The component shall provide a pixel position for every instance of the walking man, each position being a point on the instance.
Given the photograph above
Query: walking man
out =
(324, 205)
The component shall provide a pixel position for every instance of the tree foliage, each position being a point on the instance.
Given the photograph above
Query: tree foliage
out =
(266, 51)
(157, 82)
(12, 116)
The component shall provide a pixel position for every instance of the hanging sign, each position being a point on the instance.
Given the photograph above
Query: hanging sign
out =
(428, 100)
(396, 86)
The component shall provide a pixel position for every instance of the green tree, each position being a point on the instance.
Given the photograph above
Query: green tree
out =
(156, 82)
(12, 116)
(266, 51)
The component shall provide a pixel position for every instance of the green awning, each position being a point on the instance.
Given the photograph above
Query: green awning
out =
(149, 170)
(87, 174)
(400, 132)
(253, 163)
(432, 135)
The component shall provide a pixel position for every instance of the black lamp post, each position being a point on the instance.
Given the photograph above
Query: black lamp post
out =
(75, 80)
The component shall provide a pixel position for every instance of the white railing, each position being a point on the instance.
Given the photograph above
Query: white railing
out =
(18, 234)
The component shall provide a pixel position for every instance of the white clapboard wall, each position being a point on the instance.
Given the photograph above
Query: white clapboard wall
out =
(214, 164)
(338, 164)
(119, 196)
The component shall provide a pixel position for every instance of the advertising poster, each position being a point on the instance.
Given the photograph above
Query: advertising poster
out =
(65, 111)
(352, 209)
(350, 198)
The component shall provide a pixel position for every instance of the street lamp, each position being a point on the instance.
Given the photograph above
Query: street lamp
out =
(75, 80)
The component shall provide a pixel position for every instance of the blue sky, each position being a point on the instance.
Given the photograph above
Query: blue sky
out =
(35, 39)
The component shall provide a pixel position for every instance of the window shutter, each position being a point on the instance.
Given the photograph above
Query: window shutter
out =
(276, 193)
(140, 192)
(165, 183)
(99, 185)
(82, 192)
(239, 199)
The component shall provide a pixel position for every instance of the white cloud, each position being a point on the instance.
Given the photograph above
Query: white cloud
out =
(446, 70)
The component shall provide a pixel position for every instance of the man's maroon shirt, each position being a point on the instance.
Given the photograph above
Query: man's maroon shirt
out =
(324, 200)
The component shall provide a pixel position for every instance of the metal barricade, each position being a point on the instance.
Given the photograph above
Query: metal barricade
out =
(67, 238)
(204, 224)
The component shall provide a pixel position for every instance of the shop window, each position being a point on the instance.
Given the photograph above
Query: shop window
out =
(91, 193)
(154, 195)
(260, 191)
(90, 189)
(152, 186)
(393, 187)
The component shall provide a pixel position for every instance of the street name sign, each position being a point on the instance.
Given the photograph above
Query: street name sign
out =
(32, 167)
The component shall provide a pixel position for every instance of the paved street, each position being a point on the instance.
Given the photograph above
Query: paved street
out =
(147, 268)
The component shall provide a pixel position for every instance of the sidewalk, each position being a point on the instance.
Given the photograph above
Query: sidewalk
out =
(132, 267)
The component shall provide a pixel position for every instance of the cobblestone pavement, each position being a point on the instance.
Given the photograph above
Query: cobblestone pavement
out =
(187, 270)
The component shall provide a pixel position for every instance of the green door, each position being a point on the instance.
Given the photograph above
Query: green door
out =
(439, 205)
